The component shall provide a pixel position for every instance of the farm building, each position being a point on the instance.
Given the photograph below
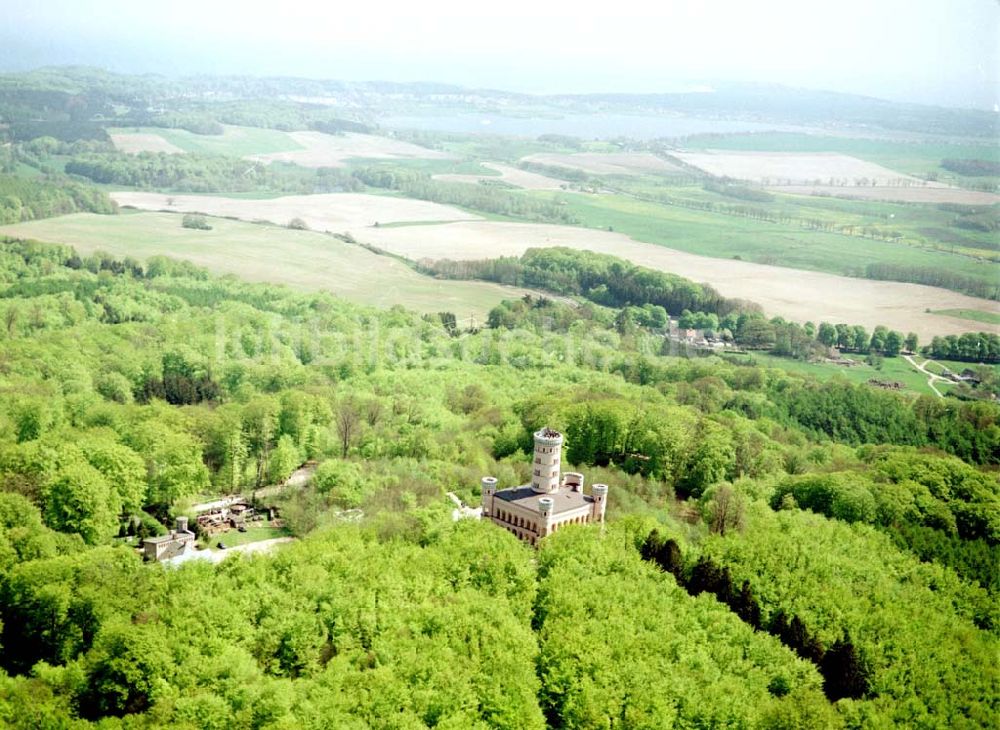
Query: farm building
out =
(550, 502)
(170, 545)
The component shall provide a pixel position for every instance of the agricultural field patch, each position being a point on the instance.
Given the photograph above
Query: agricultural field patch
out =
(930, 193)
(509, 175)
(335, 212)
(765, 242)
(301, 259)
(134, 143)
(991, 317)
(919, 158)
(316, 149)
(600, 163)
(795, 294)
(798, 168)
(234, 141)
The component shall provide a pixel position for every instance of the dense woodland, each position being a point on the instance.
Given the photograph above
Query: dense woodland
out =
(780, 552)
(25, 200)
(600, 278)
(831, 557)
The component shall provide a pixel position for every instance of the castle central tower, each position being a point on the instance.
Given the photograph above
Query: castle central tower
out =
(534, 511)
(545, 470)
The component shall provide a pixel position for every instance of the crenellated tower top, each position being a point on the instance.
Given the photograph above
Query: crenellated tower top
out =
(545, 469)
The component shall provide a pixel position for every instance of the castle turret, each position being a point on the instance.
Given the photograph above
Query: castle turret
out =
(573, 480)
(545, 515)
(600, 494)
(545, 470)
(182, 524)
(488, 488)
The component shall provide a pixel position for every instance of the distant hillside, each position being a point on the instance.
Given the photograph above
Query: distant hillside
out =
(86, 95)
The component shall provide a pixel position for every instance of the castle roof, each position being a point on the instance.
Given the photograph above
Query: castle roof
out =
(564, 500)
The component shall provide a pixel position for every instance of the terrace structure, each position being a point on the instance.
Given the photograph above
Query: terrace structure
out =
(550, 502)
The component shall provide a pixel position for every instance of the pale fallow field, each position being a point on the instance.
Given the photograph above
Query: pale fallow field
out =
(334, 212)
(308, 149)
(608, 163)
(234, 141)
(794, 168)
(327, 150)
(829, 173)
(134, 143)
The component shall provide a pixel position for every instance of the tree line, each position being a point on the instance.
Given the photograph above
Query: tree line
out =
(967, 347)
(194, 173)
(933, 277)
(489, 199)
(601, 278)
(971, 167)
(25, 199)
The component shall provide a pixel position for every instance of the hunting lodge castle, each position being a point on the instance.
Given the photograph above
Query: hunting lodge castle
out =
(535, 510)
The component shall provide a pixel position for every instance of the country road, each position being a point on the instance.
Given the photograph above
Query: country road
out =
(299, 478)
(217, 556)
(931, 377)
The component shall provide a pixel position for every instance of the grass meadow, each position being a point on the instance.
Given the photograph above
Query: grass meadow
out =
(891, 369)
(301, 259)
(973, 314)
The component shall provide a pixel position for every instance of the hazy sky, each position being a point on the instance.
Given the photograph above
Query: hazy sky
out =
(932, 51)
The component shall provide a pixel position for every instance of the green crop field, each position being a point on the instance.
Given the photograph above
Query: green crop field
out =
(465, 166)
(236, 141)
(974, 314)
(301, 259)
(725, 236)
(921, 226)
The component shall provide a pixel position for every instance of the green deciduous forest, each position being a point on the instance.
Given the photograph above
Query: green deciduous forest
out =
(780, 550)
(779, 553)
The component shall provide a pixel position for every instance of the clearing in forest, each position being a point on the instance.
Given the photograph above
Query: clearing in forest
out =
(601, 163)
(792, 293)
(334, 212)
(301, 259)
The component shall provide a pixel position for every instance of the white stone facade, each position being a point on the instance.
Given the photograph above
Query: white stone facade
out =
(550, 502)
